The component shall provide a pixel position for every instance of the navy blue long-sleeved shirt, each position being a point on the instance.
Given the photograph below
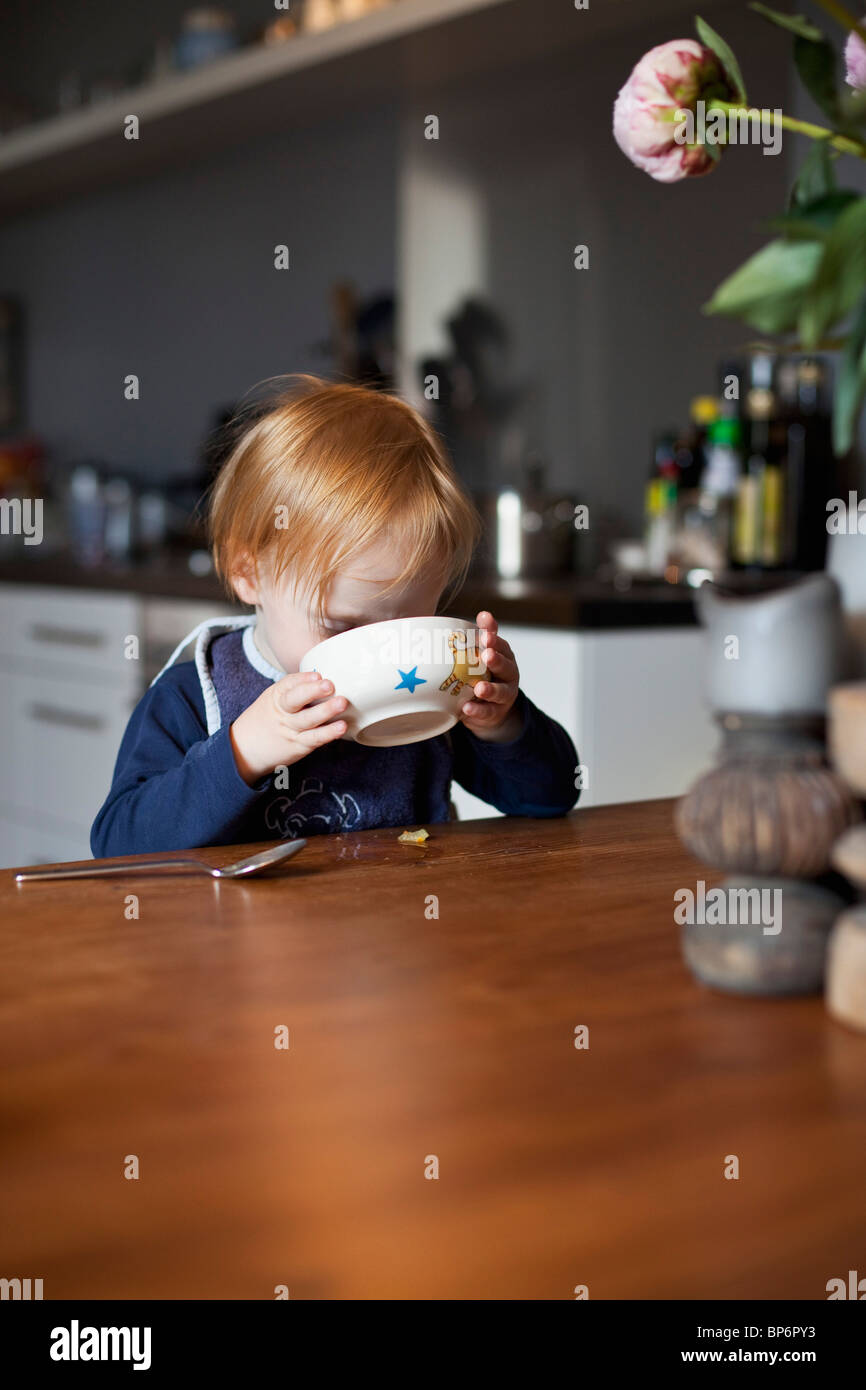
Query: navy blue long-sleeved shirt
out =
(176, 787)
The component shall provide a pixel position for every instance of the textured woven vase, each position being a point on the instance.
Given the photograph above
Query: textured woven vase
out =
(767, 815)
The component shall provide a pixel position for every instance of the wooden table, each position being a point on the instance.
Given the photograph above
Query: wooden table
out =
(413, 1036)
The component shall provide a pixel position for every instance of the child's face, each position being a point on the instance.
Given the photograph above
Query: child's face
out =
(286, 628)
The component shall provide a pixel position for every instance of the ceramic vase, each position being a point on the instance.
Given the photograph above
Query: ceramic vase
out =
(770, 811)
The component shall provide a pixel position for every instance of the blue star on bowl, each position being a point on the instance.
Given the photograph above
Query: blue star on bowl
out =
(410, 680)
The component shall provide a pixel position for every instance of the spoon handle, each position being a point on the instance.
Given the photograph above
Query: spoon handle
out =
(104, 870)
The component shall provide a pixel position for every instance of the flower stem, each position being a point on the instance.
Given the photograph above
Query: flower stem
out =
(815, 132)
(843, 16)
(820, 132)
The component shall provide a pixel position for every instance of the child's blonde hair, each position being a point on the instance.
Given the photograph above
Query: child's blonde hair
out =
(324, 471)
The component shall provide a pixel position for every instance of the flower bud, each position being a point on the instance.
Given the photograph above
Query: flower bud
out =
(855, 62)
(670, 78)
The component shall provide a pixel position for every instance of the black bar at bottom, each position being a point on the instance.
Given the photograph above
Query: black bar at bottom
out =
(217, 1339)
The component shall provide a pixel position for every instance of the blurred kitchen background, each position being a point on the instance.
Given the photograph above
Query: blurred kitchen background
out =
(585, 408)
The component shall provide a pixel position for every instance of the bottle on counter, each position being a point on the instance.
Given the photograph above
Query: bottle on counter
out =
(718, 488)
(86, 510)
(665, 456)
(151, 521)
(117, 497)
(660, 503)
(760, 531)
(813, 472)
(661, 518)
(691, 449)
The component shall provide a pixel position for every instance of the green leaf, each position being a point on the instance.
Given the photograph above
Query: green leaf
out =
(725, 55)
(796, 23)
(841, 275)
(814, 221)
(816, 64)
(768, 290)
(816, 178)
(850, 385)
(794, 229)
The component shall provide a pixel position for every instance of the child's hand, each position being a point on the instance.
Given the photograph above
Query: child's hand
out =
(282, 726)
(490, 713)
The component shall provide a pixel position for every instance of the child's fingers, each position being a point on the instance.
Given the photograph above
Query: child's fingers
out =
(497, 643)
(296, 690)
(325, 733)
(487, 628)
(490, 642)
(503, 667)
(475, 709)
(485, 711)
(312, 716)
(486, 693)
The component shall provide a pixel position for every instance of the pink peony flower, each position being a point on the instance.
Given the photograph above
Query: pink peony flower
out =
(670, 78)
(855, 62)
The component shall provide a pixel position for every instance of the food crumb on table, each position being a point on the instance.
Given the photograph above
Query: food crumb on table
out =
(413, 837)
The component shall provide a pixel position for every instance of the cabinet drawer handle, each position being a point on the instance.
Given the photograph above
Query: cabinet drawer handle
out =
(67, 718)
(66, 636)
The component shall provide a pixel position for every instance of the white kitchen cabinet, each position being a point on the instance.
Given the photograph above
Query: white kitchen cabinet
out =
(36, 840)
(644, 725)
(67, 687)
(69, 680)
(66, 737)
(68, 634)
(631, 700)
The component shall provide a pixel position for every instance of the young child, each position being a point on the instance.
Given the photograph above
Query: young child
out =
(336, 507)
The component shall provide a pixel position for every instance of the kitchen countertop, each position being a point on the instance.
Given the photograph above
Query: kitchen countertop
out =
(570, 602)
(410, 1037)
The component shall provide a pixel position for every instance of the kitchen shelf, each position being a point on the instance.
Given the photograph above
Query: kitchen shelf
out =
(216, 104)
(279, 89)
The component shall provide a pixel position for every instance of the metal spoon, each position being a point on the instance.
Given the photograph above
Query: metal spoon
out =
(242, 868)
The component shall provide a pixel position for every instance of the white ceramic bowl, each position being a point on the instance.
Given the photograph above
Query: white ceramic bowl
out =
(405, 679)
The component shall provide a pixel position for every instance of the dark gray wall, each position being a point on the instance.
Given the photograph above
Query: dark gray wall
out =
(173, 279)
